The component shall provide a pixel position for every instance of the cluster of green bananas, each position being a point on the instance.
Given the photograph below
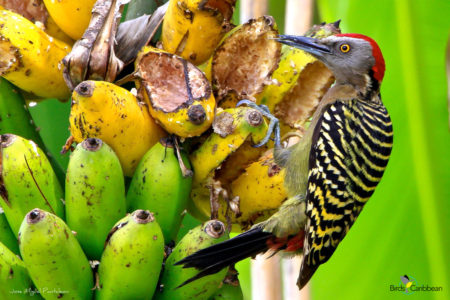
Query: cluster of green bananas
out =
(164, 140)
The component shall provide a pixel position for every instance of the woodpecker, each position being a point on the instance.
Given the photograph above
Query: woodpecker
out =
(331, 172)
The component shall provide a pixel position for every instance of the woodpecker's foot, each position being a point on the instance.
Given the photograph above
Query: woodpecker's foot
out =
(274, 125)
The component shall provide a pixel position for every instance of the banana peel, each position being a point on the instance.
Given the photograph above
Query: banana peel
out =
(244, 61)
(192, 29)
(177, 93)
(113, 114)
(31, 59)
(72, 16)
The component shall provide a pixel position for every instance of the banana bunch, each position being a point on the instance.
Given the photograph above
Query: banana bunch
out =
(164, 140)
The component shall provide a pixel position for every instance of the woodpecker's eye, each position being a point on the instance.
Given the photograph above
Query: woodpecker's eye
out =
(345, 48)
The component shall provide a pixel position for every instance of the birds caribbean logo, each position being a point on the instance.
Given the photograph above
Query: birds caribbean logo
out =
(408, 282)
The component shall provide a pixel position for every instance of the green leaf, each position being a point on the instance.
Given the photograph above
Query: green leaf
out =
(405, 227)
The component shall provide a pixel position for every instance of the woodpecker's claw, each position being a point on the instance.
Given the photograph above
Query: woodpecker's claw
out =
(274, 125)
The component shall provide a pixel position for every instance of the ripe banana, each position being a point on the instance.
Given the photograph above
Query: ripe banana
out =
(72, 16)
(15, 283)
(113, 114)
(132, 260)
(244, 61)
(7, 237)
(202, 236)
(54, 258)
(27, 180)
(159, 186)
(177, 93)
(30, 58)
(192, 29)
(95, 194)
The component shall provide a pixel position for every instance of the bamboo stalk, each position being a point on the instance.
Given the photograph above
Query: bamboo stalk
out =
(266, 275)
(253, 9)
(290, 270)
(298, 16)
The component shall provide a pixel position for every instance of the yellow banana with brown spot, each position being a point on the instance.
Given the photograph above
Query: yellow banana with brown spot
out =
(103, 110)
(194, 28)
(30, 58)
(178, 94)
(224, 154)
(72, 16)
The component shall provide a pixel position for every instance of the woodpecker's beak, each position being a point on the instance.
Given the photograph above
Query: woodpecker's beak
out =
(307, 44)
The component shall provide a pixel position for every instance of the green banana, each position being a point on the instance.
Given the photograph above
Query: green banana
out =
(16, 119)
(159, 186)
(230, 290)
(54, 258)
(27, 180)
(95, 194)
(7, 237)
(15, 283)
(132, 260)
(202, 236)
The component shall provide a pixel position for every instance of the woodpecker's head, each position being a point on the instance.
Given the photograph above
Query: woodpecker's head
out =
(353, 58)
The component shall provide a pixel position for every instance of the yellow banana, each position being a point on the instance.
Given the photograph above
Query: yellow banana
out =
(72, 16)
(194, 28)
(53, 30)
(178, 94)
(103, 110)
(30, 58)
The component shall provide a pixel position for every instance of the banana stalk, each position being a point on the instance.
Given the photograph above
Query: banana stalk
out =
(202, 236)
(113, 114)
(95, 194)
(178, 94)
(15, 283)
(54, 258)
(158, 185)
(192, 29)
(30, 58)
(132, 260)
(72, 16)
(27, 180)
(93, 56)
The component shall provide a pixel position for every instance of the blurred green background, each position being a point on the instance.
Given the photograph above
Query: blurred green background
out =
(405, 227)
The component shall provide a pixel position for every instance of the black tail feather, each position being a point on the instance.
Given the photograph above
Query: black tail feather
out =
(213, 259)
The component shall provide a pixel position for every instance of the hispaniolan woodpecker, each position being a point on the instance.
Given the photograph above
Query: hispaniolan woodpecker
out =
(331, 172)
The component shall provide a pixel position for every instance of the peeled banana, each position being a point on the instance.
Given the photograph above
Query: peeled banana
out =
(177, 93)
(132, 260)
(159, 186)
(95, 194)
